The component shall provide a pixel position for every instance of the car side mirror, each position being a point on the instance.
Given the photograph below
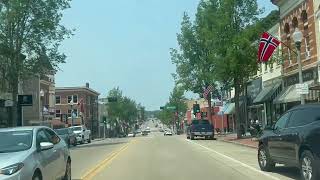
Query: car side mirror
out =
(45, 146)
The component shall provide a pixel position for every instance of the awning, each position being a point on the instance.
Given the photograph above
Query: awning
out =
(230, 108)
(289, 94)
(266, 93)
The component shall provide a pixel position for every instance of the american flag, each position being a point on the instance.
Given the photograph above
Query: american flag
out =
(207, 91)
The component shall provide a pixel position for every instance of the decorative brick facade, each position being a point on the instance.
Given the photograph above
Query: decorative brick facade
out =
(89, 116)
(301, 16)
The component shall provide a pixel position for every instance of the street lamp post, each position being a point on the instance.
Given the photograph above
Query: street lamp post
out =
(297, 38)
(71, 104)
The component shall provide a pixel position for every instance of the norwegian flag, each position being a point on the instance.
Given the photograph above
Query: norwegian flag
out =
(267, 46)
(207, 91)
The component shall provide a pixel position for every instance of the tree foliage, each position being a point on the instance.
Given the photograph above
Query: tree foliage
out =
(30, 35)
(177, 100)
(219, 47)
(125, 112)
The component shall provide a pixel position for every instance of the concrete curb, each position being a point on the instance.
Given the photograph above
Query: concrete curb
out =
(237, 143)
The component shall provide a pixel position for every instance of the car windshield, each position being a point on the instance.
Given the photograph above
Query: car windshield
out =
(62, 131)
(190, 70)
(14, 141)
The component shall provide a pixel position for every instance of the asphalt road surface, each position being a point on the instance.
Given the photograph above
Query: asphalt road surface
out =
(156, 157)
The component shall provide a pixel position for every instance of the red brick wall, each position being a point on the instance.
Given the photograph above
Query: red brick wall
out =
(288, 40)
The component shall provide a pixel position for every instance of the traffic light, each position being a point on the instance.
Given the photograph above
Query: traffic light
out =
(196, 108)
(104, 120)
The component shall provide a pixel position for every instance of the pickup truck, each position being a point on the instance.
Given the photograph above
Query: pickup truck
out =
(82, 134)
(200, 128)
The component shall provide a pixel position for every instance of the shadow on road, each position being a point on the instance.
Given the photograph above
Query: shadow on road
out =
(97, 145)
(290, 172)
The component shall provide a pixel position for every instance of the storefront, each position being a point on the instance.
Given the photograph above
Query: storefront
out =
(255, 112)
(289, 97)
(264, 101)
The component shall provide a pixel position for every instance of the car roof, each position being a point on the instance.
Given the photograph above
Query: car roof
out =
(312, 105)
(23, 128)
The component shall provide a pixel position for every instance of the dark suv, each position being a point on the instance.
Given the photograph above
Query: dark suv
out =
(294, 141)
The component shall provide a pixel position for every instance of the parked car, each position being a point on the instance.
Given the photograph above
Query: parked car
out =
(67, 135)
(82, 134)
(293, 141)
(131, 134)
(144, 133)
(148, 130)
(33, 153)
(168, 132)
(200, 128)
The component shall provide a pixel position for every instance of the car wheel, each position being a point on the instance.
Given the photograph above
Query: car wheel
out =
(67, 175)
(264, 160)
(307, 166)
(37, 176)
(89, 140)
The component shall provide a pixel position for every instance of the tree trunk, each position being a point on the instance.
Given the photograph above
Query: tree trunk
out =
(237, 108)
(14, 110)
(209, 108)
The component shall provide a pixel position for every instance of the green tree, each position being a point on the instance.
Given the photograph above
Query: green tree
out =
(124, 112)
(30, 33)
(177, 100)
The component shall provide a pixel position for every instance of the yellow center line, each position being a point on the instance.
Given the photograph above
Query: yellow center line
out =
(90, 174)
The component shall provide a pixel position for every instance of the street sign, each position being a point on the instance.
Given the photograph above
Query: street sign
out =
(302, 88)
(8, 103)
(171, 108)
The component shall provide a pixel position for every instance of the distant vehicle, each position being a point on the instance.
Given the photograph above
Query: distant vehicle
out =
(168, 133)
(33, 153)
(144, 133)
(200, 128)
(148, 129)
(161, 130)
(131, 134)
(293, 141)
(82, 134)
(138, 131)
(67, 135)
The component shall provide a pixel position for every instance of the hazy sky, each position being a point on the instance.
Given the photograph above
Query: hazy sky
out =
(125, 43)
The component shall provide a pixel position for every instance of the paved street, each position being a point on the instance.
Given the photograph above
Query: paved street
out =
(157, 157)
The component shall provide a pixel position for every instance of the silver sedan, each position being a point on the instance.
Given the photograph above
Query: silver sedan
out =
(33, 153)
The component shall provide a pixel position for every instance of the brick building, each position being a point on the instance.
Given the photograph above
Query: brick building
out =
(297, 14)
(79, 104)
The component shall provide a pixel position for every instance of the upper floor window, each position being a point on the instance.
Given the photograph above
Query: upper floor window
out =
(58, 99)
(73, 98)
(295, 22)
(287, 28)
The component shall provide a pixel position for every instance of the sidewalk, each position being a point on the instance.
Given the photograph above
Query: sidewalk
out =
(245, 141)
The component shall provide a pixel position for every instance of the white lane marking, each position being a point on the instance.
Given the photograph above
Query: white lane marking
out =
(234, 160)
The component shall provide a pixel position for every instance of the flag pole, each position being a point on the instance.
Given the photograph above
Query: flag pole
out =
(283, 44)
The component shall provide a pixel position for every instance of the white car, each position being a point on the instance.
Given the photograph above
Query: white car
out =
(82, 134)
(33, 153)
(168, 133)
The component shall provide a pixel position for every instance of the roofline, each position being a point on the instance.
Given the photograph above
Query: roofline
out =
(62, 89)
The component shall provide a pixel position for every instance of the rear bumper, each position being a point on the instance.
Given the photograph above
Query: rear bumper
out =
(202, 133)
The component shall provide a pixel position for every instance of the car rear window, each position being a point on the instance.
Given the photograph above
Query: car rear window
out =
(195, 121)
(204, 122)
